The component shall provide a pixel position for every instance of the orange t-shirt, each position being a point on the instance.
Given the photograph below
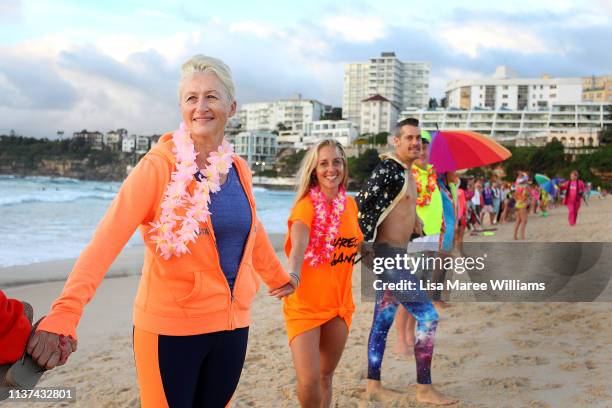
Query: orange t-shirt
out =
(325, 291)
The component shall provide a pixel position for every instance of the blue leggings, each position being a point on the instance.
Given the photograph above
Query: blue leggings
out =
(427, 321)
(198, 371)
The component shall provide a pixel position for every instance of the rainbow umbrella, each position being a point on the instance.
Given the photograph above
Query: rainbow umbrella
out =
(452, 150)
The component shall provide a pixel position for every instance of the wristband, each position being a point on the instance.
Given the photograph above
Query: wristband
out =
(296, 277)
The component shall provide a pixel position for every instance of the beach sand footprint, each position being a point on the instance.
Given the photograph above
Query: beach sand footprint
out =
(515, 360)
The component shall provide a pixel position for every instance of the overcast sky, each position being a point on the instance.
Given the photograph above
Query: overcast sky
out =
(101, 65)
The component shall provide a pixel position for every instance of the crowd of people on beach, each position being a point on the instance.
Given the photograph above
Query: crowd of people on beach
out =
(206, 251)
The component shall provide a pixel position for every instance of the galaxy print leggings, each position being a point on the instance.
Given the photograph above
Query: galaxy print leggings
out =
(427, 321)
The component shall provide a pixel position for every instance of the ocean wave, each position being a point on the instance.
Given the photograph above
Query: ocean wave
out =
(55, 197)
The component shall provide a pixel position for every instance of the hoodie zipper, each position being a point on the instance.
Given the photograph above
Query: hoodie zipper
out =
(214, 240)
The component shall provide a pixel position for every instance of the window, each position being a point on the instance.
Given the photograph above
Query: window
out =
(505, 87)
(504, 96)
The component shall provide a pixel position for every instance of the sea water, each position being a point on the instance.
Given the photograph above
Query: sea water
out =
(44, 218)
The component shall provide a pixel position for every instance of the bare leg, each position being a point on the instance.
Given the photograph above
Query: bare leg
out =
(524, 215)
(516, 224)
(333, 339)
(306, 360)
(404, 323)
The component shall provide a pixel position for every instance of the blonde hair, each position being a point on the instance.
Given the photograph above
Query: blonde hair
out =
(203, 64)
(306, 175)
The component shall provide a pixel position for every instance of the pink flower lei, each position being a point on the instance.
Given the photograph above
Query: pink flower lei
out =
(172, 232)
(325, 227)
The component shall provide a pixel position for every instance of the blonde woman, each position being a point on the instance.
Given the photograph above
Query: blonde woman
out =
(321, 245)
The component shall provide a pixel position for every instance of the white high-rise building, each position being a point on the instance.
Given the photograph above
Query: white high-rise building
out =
(406, 84)
(505, 90)
(266, 116)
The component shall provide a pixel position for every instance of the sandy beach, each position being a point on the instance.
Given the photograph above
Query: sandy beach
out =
(487, 354)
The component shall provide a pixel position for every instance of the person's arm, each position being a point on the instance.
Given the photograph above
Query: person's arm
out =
(268, 266)
(134, 204)
(300, 237)
(369, 198)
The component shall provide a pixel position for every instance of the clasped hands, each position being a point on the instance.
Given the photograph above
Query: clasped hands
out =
(50, 350)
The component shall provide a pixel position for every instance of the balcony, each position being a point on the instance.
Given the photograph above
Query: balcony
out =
(562, 118)
(564, 108)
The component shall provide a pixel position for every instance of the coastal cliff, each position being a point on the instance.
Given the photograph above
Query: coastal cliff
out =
(62, 158)
(82, 169)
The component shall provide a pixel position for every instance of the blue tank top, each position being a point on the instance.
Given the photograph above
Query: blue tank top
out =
(231, 219)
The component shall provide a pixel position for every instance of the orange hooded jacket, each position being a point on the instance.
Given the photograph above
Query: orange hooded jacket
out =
(181, 296)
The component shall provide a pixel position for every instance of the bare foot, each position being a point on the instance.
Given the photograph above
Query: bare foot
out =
(376, 392)
(441, 305)
(426, 393)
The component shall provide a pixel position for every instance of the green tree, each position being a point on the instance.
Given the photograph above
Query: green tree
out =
(361, 167)
(548, 159)
(289, 165)
(381, 138)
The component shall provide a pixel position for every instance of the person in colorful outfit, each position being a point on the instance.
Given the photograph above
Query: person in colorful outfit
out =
(461, 216)
(574, 190)
(191, 198)
(387, 215)
(15, 328)
(522, 200)
(322, 242)
(447, 184)
(488, 198)
(429, 211)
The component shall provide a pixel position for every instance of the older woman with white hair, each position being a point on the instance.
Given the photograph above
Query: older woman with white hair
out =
(191, 198)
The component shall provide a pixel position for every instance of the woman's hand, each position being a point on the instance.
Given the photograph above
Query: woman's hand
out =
(284, 290)
(50, 350)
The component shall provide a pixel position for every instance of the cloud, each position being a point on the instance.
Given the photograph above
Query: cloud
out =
(127, 78)
(470, 39)
(361, 29)
(257, 29)
(11, 11)
(34, 84)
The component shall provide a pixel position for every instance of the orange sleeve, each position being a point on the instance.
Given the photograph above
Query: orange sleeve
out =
(266, 263)
(303, 211)
(135, 204)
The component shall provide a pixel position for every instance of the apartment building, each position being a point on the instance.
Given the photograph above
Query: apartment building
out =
(578, 121)
(597, 89)
(95, 139)
(128, 144)
(343, 131)
(257, 147)
(404, 83)
(378, 114)
(266, 116)
(505, 90)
